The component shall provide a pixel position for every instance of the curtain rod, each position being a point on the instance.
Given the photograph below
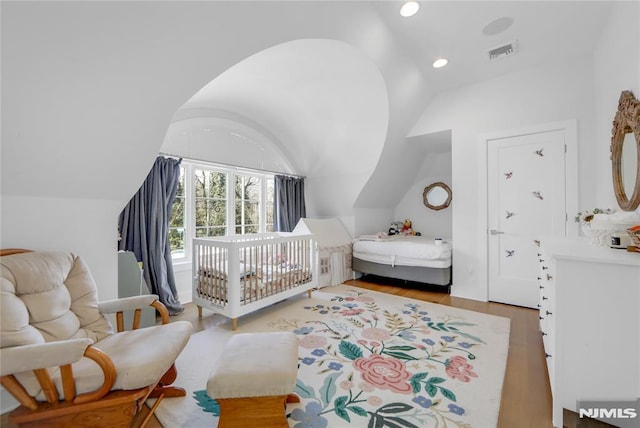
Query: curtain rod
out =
(230, 166)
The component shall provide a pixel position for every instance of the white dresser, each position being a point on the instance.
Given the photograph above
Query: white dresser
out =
(590, 321)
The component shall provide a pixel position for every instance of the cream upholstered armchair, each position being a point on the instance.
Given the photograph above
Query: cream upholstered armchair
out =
(60, 357)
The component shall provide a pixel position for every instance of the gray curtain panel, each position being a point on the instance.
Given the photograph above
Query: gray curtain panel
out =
(288, 204)
(144, 226)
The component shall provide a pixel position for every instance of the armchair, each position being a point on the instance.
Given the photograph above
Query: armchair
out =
(59, 355)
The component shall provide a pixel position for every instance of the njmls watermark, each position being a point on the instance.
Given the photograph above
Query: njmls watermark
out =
(623, 414)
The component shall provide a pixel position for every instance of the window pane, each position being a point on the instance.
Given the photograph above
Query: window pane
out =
(247, 208)
(199, 183)
(176, 240)
(269, 205)
(177, 220)
(201, 212)
(217, 185)
(251, 214)
(217, 212)
(180, 190)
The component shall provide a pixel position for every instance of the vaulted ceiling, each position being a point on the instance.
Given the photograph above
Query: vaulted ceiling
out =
(91, 87)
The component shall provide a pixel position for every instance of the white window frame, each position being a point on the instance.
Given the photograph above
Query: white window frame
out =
(189, 190)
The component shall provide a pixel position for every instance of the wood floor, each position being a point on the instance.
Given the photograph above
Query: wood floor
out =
(526, 398)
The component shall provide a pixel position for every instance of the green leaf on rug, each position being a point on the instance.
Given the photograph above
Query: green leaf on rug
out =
(304, 391)
(358, 410)
(328, 389)
(207, 403)
(415, 381)
(401, 348)
(436, 380)
(394, 421)
(448, 393)
(350, 350)
(399, 355)
(470, 336)
(394, 408)
(340, 409)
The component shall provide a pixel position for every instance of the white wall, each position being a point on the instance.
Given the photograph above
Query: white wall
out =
(545, 94)
(616, 65)
(89, 88)
(436, 167)
(86, 227)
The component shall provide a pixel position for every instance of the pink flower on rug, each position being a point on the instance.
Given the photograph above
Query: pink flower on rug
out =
(350, 312)
(374, 400)
(311, 341)
(459, 368)
(365, 299)
(375, 333)
(345, 384)
(384, 373)
(366, 387)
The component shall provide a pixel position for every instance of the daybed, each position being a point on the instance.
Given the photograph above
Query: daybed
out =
(236, 275)
(411, 258)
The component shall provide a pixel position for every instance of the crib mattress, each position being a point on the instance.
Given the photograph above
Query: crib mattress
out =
(405, 251)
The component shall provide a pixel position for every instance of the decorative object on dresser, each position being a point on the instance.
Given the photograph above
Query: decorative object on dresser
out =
(625, 152)
(600, 226)
(437, 196)
(589, 305)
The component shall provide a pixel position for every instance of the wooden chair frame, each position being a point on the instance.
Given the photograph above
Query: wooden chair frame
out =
(102, 407)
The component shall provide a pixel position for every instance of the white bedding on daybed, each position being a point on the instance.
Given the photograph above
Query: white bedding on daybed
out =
(403, 250)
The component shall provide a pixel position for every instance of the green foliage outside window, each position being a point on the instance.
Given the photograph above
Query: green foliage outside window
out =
(210, 206)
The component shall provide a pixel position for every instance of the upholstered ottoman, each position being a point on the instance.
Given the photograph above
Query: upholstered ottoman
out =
(254, 378)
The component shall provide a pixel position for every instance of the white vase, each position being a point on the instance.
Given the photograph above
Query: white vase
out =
(586, 229)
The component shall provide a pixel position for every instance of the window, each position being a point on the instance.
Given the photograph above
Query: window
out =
(269, 217)
(210, 203)
(248, 194)
(214, 200)
(177, 223)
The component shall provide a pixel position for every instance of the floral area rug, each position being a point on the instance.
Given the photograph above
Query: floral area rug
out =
(366, 359)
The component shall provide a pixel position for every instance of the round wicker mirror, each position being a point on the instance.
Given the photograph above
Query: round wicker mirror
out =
(625, 158)
(437, 196)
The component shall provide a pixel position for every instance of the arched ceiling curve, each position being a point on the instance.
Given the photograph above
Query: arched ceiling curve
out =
(323, 101)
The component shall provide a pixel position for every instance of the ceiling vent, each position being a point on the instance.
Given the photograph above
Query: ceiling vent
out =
(503, 51)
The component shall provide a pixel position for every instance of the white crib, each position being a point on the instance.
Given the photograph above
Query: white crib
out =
(236, 275)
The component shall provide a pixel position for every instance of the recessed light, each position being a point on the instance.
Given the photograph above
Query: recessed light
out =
(410, 8)
(440, 62)
(497, 26)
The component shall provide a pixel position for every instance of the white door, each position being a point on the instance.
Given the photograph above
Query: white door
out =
(526, 197)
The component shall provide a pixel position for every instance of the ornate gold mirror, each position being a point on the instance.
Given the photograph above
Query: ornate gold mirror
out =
(625, 152)
(437, 196)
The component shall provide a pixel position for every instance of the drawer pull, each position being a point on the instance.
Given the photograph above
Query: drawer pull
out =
(541, 260)
(539, 254)
(544, 268)
(543, 333)
(541, 287)
(539, 278)
(549, 277)
(545, 298)
(549, 313)
(539, 305)
(547, 355)
(541, 317)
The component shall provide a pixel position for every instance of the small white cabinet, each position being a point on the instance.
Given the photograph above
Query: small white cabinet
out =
(589, 308)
